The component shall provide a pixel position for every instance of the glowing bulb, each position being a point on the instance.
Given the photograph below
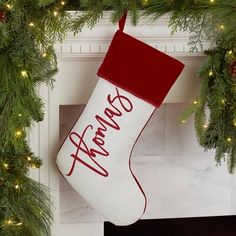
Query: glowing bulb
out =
(222, 27)
(19, 224)
(55, 13)
(205, 126)
(235, 123)
(183, 121)
(18, 133)
(210, 73)
(63, 3)
(223, 101)
(9, 6)
(20, 115)
(9, 222)
(212, 1)
(45, 54)
(17, 186)
(229, 139)
(230, 52)
(31, 24)
(6, 166)
(195, 102)
(24, 73)
(34, 166)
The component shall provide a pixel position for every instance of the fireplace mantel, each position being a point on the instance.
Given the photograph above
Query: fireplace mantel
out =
(90, 45)
(95, 42)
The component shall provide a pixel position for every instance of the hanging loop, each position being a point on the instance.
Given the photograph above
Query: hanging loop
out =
(122, 21)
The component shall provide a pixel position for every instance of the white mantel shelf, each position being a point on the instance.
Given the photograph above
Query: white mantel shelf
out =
(95, 42)
(92, 44)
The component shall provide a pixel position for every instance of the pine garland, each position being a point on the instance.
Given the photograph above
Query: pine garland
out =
(214, 108)
(28, 31)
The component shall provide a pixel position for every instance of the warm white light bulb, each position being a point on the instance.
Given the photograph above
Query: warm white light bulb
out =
(24, 73)
(34, 166)
(9, 222)
(9, 6)
(55, 13)
(229, 139)
(6, 166)
(222, 27)
(18, 133)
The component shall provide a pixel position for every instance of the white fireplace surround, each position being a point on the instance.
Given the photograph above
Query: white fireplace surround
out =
(79, 57)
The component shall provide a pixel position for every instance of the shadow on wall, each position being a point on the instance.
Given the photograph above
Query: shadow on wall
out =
(202, 226)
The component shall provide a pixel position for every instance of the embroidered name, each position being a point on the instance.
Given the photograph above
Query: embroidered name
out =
(118, 105)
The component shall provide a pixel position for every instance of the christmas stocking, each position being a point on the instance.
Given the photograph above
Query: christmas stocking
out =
(95, 156)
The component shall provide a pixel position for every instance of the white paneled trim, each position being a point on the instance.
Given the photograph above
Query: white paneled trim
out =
(95, 42)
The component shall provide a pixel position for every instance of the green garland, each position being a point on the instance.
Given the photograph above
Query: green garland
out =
(28, 31)
(215, 107)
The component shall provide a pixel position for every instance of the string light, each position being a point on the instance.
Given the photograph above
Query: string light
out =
(18, 133)
(222, 27)
(63, 3)
(17, 186)
(6, 166)
(29, 158)
(34, 166)
(183, 121)
(205, 126)
(235, 123)
(55, 13)
(210, 73)
(19, 224)
(20, 115)
(24, 73)
(9, 6)
(223, 101)
(195, 102)
(212, 1)
(44, 54)
(31, 24)
(9, 222)
(230, 52)
(229, 139)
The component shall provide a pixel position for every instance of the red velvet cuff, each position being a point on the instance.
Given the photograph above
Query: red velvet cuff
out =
(139, 68)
